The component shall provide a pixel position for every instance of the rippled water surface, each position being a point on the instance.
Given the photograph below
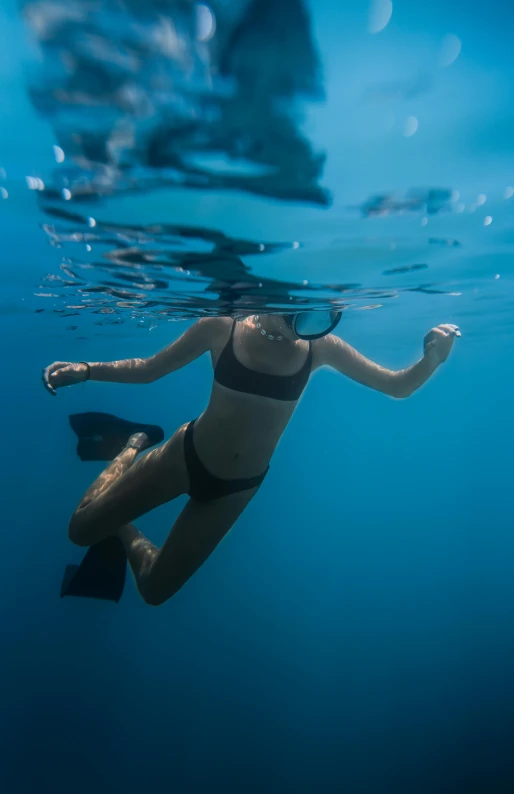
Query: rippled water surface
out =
(172, 159)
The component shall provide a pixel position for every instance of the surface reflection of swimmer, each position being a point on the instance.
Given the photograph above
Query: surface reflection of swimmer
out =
(261, 366)
(165, 105)
(142, 265)
(431, 201)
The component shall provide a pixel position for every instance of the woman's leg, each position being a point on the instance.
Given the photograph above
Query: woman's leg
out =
(159, 574)
(126, 490)
(116, 468)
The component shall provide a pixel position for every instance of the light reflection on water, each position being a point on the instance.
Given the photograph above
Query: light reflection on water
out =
(243, 99)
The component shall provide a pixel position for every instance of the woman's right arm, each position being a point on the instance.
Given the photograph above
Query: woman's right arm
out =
(198, 339)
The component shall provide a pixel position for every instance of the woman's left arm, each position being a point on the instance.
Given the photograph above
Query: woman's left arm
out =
(333, 352)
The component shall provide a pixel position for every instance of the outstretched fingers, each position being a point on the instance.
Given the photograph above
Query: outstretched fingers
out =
(450, 330)
(58, 374)
(47, 373)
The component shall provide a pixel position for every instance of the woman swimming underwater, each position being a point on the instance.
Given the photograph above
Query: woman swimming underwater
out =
(261, 367)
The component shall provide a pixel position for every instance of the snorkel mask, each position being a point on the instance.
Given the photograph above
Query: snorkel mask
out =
(314, 324)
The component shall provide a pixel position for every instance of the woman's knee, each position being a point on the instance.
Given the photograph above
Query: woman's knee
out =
(153, 599)
(79, 528)
(154, 594)
(76, 530)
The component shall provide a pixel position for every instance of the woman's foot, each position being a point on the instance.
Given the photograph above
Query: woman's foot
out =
(139, 441)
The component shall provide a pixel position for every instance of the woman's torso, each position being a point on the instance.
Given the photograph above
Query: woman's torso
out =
(239, 430)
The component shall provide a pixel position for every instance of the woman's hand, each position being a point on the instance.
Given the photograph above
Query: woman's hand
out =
(439, 342)
(63, 373)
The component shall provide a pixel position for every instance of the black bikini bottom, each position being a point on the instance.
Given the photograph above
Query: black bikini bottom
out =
(204, 486)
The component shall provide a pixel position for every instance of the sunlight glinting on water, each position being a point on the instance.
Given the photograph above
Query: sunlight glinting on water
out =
(169, 123)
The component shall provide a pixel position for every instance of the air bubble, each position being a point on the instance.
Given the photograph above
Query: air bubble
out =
(205, 23)
(450, 50)
(411, 126)
(379, 15)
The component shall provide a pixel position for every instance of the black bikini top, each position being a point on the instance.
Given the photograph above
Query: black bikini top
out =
(231, 373)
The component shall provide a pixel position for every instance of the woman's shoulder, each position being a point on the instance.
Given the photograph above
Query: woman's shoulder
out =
(214, 325)
(215, 330)
(323, 349)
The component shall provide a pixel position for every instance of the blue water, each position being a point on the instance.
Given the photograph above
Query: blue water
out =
(354, 632)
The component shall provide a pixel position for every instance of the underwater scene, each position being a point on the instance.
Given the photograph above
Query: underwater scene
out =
(257, 317)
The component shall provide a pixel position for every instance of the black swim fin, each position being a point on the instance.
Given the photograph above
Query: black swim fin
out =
(101, 574)
(103, 436)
